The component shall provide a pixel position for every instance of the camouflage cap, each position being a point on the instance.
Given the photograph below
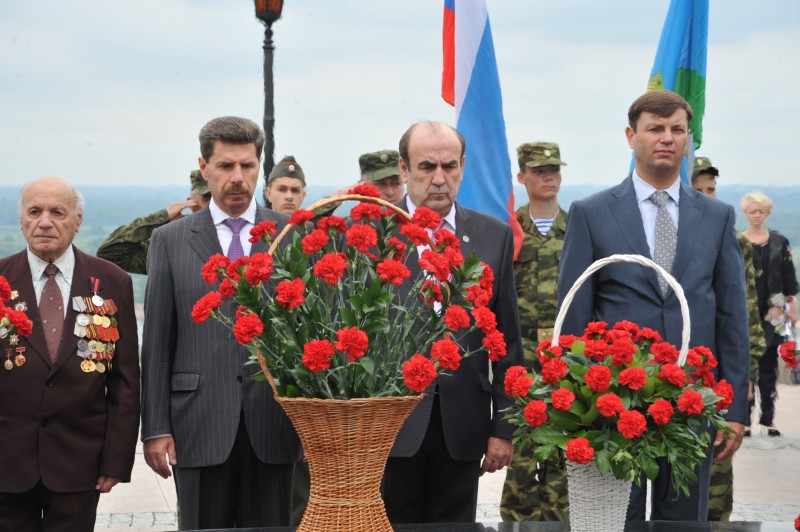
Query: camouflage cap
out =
(533, 154)
(287, 167)
(379, 165)
(199, 184)
(703, 165)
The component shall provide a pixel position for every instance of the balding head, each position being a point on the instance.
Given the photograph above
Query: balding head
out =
(50, 213)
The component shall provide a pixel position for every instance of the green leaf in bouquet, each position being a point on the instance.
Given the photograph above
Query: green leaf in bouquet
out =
(368, 364)
(348, 317)
(544, 452)
(578, 347)
(549, 436)
(589, 416)
(566, 420)
(603, 460)
(649, 386)
(650, 466)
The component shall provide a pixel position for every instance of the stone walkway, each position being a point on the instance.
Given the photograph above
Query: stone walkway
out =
(766, 476)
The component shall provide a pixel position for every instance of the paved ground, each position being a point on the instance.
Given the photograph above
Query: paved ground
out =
(766, 473)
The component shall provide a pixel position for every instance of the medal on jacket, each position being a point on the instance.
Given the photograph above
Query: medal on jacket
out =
(94, 286)
(8, 365)
(20, 359)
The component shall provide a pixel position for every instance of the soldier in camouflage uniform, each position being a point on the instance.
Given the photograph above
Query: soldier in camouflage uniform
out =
(127, 246)
(285, 188)
(534, 490)
(720, 500)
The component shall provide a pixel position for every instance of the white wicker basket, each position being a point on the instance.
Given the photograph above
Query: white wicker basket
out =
(599, 503)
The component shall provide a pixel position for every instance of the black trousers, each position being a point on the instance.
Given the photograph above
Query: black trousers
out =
(42, 510)
(766, 383)
(241, 492)
(431, 487)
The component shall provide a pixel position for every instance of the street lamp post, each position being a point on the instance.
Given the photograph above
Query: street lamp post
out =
(268, 11)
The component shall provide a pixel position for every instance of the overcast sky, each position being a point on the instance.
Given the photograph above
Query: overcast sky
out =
(104, 91)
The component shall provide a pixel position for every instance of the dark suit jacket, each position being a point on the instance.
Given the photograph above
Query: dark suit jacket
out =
(57, 423)
(708, 265)
(195, 383)
(470, 401)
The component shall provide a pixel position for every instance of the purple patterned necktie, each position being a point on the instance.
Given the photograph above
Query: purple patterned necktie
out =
(51, 309)
(235, 250)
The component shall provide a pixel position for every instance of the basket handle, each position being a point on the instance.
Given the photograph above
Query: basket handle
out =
(638, 259)
(262, 361)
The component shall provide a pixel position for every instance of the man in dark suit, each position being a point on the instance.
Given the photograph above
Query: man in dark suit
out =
(705, 259)
(69, 405)
(432, 473)
(230, 444)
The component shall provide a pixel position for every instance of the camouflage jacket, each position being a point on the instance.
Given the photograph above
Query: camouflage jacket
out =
(757, 340)
(127, 246)
(536, 274)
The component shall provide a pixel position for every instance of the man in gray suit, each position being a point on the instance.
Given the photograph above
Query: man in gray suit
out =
(432, 473)
(705, 259)
(231, 446)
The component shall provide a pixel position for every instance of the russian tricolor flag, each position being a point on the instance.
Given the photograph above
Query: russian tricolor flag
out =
(470, 82)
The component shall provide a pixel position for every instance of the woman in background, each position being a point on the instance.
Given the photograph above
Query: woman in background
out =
(775, 274)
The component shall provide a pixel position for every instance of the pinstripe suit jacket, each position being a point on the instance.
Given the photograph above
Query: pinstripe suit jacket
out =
(470, 401)
(195, 382)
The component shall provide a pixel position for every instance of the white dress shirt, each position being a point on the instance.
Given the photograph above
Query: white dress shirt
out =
(224, 233)
(66, 267)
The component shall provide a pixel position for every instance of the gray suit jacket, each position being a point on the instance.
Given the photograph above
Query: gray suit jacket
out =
(471, 402)
(195, 383)
(708, 265)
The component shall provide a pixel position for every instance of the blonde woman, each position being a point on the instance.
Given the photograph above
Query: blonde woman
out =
(775, 274)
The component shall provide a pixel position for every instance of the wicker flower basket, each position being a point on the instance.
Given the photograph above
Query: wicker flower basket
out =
(599, 503)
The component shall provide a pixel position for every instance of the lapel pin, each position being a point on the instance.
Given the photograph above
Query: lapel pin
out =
(465, 238)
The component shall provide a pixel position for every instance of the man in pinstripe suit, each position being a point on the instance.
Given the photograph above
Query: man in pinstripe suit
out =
(230, 445)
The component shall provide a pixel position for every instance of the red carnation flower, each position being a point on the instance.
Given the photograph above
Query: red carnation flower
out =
(393, 271)
(213, 267)
(430, 292)
(426, 218)
(545, 346)
(226, 288)
(365, 190)
(5, 289)
(664, 353)
(445, 238)
(330, 268)
(317, 354)
(566, 340)
(724, 390)
(366, 211)
(610, 404)
(18, 320)
(513, 374)
(314, 241)
(290, 294)
(535, 413)
(595, 328)
(646, 334)
(495, 345)
(456, 318)
(633, 378)
(300, 217)
(353, 342)
(259, 269)
(797, 523)
(673, 374)
(246, 327)
(487, 278)
(478, 296)
(435, 264)
(579, 451)
(415, 234)
(627, 326)
(553, 369)
(690, 402)
(598, 378)
(453, 256)
(661, 410)
(261, 230)
(447, 353)
(707, 358)
(596, 349)
(205, 305)
(234, 269)
(328, 223)
(399, 246)
(631, 424)
(362, 237)
(787, 352)
(484, 319)
(562, 399)
(622, 352)
(418, 373)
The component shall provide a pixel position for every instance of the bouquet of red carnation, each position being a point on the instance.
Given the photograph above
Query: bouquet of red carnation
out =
(13, 323)
(335, 313)
(789, 353)
(618, 396)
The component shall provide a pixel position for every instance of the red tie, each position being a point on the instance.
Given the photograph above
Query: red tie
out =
(51, 309)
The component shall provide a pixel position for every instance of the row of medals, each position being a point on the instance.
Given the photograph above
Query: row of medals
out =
(96, 327)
